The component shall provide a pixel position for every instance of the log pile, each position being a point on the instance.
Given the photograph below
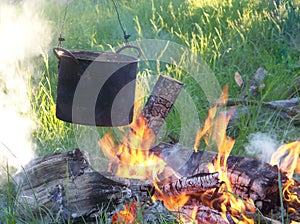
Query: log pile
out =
(64, 187)
(250, 178)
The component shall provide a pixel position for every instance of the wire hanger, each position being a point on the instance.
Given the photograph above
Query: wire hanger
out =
(125, 35)
(61, 38)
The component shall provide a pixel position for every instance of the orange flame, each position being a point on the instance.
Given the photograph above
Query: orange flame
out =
(173, 203)
(215, 126)
(215, 131)
(126, 216)
(286, 158)
(131, 158)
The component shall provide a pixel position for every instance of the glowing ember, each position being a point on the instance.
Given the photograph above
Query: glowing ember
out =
(126, 216)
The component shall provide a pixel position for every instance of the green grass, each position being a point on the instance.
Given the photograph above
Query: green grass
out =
(230, 36)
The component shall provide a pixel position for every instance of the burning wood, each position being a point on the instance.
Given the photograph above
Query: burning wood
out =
(128, 215)
(127, 157)
(249, 178)
(200, 214)
(90, 192)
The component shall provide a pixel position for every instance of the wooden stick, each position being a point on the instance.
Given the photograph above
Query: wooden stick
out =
(285, 109)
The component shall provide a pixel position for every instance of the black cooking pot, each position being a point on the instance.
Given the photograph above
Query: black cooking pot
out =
(96, 88)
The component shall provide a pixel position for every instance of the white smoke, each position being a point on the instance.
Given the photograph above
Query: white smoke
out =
(262, 146)
(24, 34)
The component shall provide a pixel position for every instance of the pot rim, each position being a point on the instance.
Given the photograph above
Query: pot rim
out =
(98, 56)
(101, 56)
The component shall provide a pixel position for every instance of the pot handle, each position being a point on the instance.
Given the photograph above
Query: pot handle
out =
(57, 51)
(130, 46)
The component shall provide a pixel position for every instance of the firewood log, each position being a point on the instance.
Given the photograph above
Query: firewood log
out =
(65, 184)
(160, 102)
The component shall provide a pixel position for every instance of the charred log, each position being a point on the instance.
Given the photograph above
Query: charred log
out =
(189, 185)
(160, 102)
(250, 178)
(66, 185)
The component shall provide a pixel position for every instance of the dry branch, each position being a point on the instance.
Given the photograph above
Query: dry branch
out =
(248, 100)
(284, 109)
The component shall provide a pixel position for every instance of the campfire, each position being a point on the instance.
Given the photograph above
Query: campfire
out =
(212, 189)
(209, 188)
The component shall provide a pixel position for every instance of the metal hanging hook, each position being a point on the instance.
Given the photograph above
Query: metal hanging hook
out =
(125, 35)
(61, 38)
